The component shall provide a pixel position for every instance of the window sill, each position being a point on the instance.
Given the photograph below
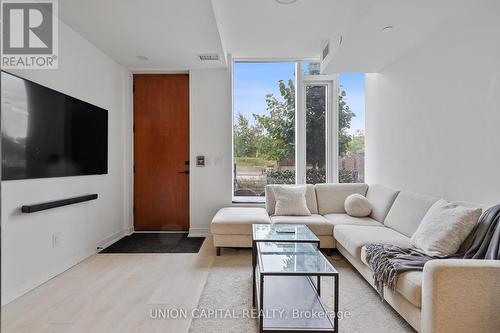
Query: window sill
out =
(249, 200)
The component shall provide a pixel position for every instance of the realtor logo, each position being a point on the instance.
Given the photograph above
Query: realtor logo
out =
(29, 34)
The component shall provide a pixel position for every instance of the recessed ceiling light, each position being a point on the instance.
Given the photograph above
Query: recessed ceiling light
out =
(387, 28)
(286, 2)
(142, 57)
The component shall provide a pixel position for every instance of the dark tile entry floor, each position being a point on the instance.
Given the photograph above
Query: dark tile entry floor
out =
(156, 243)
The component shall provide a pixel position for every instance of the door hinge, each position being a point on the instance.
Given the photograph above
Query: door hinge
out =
(134, 168)
(133, 88)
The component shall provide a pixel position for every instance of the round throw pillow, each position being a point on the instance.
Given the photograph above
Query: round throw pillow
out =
(357, 205)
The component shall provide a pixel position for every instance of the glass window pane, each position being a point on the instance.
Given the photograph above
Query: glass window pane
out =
(315, 133)
(352, 128)
(264, 126)
(310, 68)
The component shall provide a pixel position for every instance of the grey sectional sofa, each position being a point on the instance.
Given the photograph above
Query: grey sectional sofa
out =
(450, 295)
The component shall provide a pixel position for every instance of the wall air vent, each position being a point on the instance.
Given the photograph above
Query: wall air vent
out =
(208, 57)
(326, 51)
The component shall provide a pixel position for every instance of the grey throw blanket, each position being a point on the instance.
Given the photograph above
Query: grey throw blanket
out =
(387, 261)
(485, 240)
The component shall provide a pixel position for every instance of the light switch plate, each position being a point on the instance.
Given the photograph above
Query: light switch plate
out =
(200, 161)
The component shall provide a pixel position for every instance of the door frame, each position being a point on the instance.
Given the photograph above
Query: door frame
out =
(130, 210)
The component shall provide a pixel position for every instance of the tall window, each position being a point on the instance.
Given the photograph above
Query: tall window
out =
(352, 128)
(264, 126)
(284, 136)
(316, 107)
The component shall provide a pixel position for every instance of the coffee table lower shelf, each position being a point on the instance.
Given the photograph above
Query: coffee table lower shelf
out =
(283, 299)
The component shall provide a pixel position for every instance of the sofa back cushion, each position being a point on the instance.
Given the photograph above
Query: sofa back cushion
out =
(310, 199)
(381, 198)
(407, 212)
(331, 197)
(290, 200)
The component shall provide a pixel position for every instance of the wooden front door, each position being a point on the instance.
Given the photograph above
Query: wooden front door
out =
(161, 152)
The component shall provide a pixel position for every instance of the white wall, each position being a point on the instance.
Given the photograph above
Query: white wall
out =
(432, 118)
(210, 135)
(28, 258)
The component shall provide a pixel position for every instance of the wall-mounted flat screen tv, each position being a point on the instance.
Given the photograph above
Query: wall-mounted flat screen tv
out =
(49, 134)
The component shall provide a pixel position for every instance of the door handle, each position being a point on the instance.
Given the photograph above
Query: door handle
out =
(185, 172)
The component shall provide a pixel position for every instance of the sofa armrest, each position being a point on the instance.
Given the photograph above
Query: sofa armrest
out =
(461, 296)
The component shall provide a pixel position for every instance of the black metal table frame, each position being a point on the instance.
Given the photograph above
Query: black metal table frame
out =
(254, 258)
(335, 276)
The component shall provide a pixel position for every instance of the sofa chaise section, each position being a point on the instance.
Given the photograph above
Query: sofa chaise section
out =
(232, 226)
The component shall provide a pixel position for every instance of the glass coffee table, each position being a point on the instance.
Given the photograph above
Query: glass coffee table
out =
(278, 233)
(287, 282)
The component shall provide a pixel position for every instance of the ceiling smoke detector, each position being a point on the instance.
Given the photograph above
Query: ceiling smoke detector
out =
(142, 57)
(208, 57)
(387, 28)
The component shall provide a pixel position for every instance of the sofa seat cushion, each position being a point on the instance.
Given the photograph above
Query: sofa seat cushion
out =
(317, 223)
(238, 220)
(409, 284)
(353, 237)
(344, 219)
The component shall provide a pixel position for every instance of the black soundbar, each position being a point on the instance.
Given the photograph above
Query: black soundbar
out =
(57, 203)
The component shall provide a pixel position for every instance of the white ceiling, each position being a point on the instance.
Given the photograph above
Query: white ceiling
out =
(267, 29)
(171, 33)
(366, 48)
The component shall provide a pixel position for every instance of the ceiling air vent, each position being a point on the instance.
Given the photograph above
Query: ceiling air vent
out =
(326, 51)
(208, 57)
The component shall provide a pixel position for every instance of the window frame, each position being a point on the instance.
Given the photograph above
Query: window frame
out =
(331, 126)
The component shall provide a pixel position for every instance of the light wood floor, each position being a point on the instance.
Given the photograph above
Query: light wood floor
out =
(114, 293)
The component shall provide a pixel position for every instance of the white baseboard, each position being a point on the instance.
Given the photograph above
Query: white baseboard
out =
(13, 293)
(113, 238)
(199, 232)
